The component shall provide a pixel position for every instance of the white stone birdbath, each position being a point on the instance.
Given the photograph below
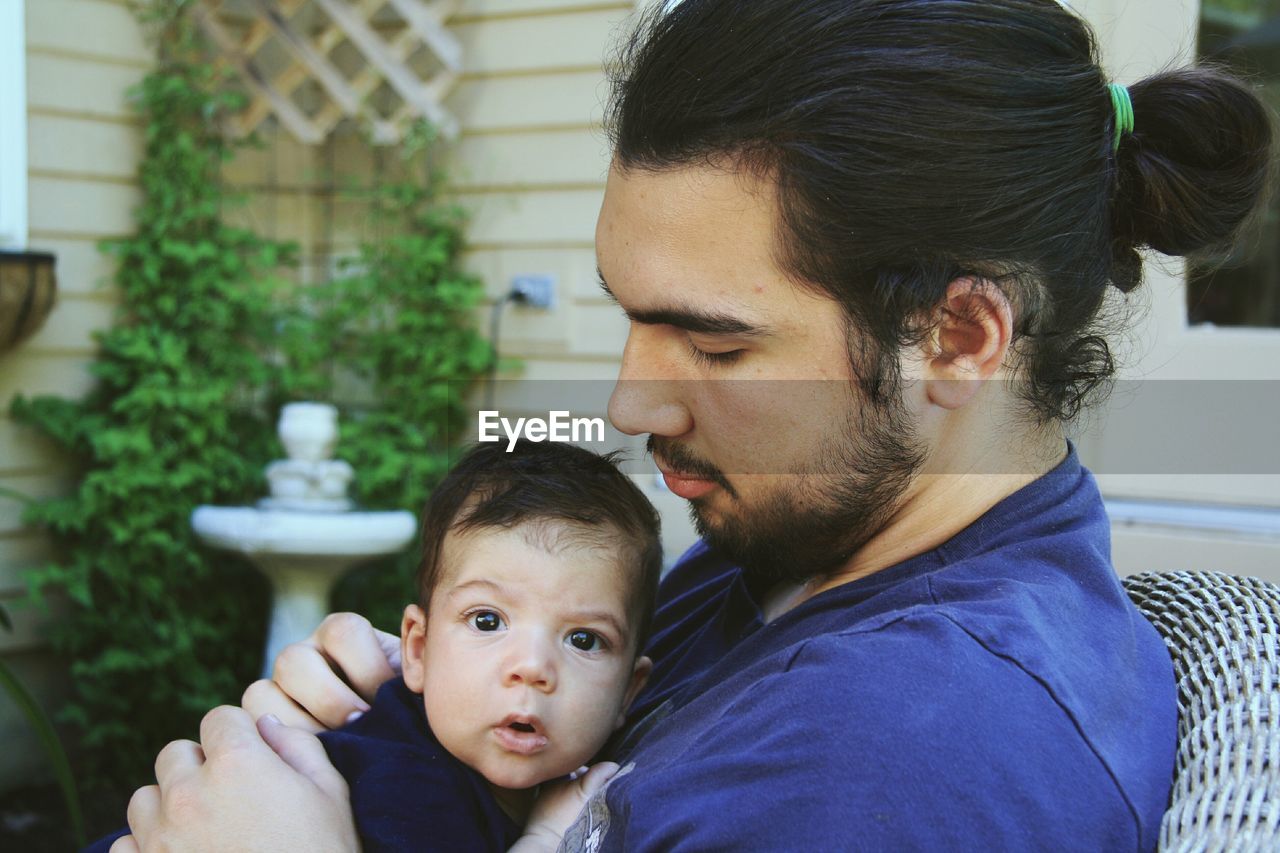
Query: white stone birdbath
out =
(305, 536)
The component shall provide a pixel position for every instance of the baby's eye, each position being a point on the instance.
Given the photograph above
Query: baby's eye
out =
(486, 620)
(586, 641)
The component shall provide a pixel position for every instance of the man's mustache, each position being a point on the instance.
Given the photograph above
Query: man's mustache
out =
(682, 461)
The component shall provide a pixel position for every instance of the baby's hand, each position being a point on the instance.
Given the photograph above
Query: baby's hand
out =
(558, 805)
(329, 678)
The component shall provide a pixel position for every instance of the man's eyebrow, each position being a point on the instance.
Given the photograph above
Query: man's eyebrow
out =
(690, 319)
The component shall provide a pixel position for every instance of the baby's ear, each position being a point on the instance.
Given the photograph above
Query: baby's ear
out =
(413, 647)
(639, 675)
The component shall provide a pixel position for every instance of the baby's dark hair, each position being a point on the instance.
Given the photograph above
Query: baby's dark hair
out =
(491, 487)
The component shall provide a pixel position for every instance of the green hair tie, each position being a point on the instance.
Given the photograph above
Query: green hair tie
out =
(1123, 106)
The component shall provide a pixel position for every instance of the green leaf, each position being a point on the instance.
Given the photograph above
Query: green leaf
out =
(49, 744)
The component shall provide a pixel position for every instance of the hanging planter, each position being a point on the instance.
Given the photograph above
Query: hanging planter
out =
(27, 287)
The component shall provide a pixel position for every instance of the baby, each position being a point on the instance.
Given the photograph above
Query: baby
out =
(538, 578)
(537, 584)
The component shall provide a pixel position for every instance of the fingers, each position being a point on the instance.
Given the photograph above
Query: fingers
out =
(235, 792)
(143, 814)
(178, 758)
(127, 844)
(303, 752)
(390, 645)
(596, 778)
(311, 674)
(303, 674)
(227, 734)
(265, 697)
(558, 804)
(358, 650)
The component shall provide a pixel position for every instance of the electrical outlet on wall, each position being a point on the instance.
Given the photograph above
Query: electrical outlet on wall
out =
(345, 265)
(534, 290)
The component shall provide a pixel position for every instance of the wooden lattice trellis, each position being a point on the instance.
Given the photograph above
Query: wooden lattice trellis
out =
(312, 63)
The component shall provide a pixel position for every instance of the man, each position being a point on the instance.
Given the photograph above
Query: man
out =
(862, 245)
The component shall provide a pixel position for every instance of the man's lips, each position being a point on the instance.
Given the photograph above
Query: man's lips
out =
(521, 734)
(685, 486)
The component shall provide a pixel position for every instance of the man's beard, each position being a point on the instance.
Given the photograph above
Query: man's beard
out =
(831, 509)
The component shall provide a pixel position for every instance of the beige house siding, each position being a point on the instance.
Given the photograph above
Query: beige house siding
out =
(82, 149)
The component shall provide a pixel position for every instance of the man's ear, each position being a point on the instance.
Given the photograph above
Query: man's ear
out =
(639, 675)
(970, 343)
(413, 647)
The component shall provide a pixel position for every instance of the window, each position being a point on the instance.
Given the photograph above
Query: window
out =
(13, 126)
(1242, 289)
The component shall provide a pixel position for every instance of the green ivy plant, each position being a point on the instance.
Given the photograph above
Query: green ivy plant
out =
(159, 630)
(206, 345)
(46, 737)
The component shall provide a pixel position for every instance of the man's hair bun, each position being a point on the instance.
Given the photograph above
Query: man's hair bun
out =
(1195, 168)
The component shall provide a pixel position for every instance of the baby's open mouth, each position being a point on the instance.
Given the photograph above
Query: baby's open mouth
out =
(521, 734)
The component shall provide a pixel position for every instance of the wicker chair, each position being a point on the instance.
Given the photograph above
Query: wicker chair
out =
(1222, 632)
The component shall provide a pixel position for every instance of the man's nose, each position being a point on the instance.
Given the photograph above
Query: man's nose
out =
(531, 663)
(648, 397)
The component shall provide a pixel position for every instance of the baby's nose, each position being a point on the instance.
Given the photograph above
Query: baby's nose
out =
(531, 664)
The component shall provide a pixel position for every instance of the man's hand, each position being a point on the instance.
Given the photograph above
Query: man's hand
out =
(328, 678)
(557, 807)
(268, 788)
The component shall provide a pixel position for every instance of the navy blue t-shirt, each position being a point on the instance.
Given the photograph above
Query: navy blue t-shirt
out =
(407, 792)
(998, 692)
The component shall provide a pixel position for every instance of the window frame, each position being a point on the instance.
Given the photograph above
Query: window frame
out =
(13, 126)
